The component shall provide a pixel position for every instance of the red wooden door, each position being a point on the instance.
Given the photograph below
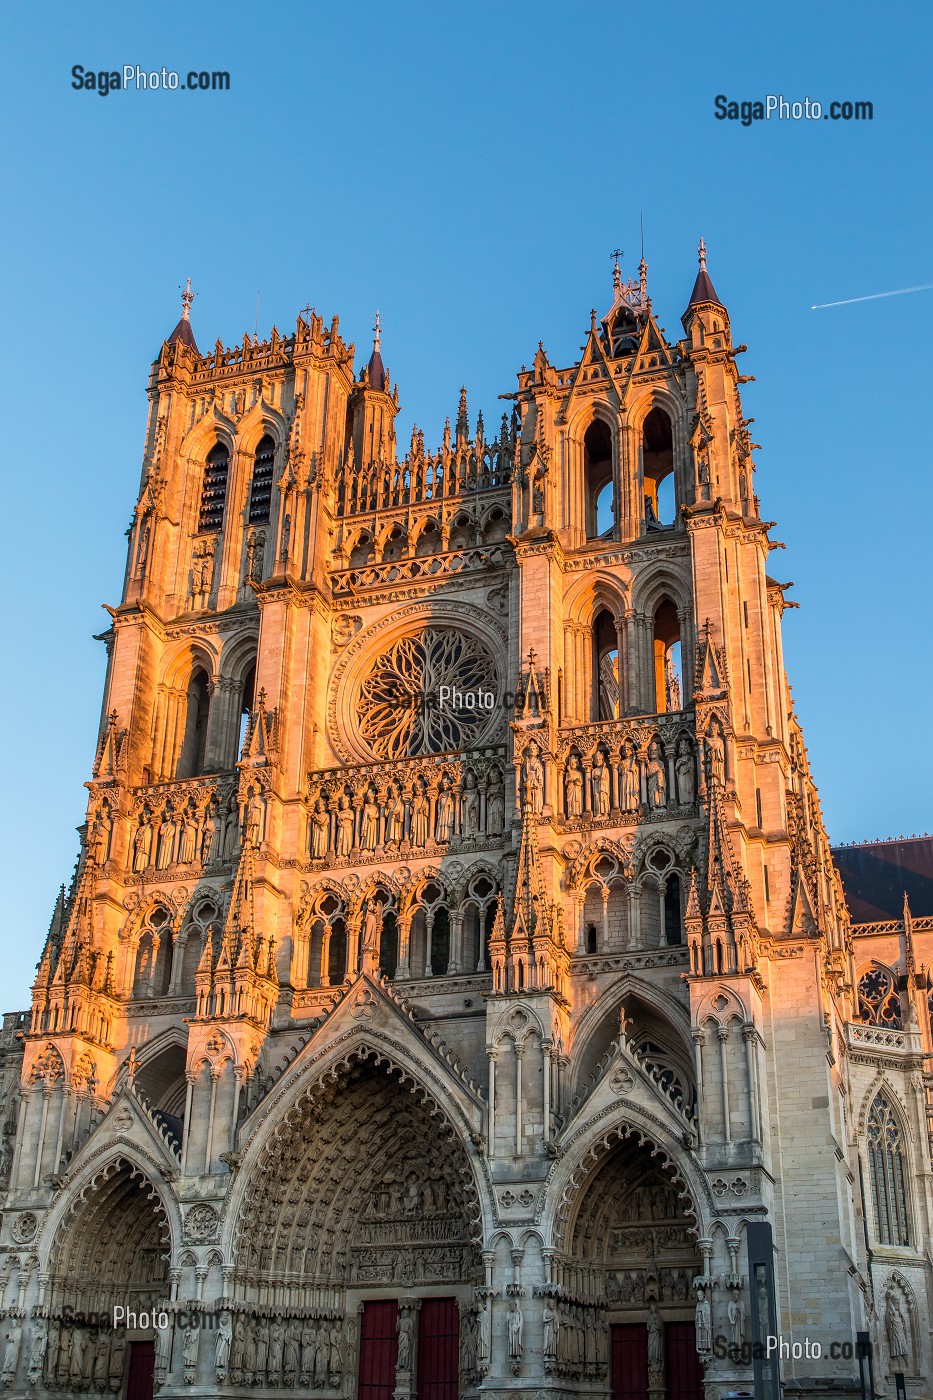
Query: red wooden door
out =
(629, 1366)
(684, 1372)
(139, 1385)
(438, 1349)
(378, 1350)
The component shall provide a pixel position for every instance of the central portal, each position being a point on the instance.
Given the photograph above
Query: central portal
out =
(417, 1340)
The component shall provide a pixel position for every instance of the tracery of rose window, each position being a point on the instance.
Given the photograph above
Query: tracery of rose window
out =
(433, 692)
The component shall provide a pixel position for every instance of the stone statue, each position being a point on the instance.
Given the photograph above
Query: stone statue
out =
(599, 779)
(142, 846)
(188, 842)
(14, 1340)
(255, 812)
(335, 1362)
(405, 1331)
(41, 1334)
(395, 818)
(292, 1352)
(483, 1336)
(551, 1331)
(212, 838)
(344, 827)
(629, 780)
(704, 1323)
(189, 1350)
(533, 781)
(469, 807)
(78, 1343)
(736, 1315)
(321, 1355)
(231, 830)
(516, 1323)
(262, 1348)
(165, 851)
(445, 813)
(896, 1327)
(372, 927)
(573, 779)
(657, 777)
(308, 1339)
(715, 753)
(51, 1351)
(276, 1347)
(222, 1341)
(320, 831)
(495, 806)
(117, 1357)
(369, 826)
(686, 774)
(468, 1343)
(419, 818)
(655, 1337)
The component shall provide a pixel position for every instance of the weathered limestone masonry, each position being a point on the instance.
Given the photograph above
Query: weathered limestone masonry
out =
(455, 995)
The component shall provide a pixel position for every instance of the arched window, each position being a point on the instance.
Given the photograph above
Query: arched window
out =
(246, 705)
(260, 491)
(388, 944)
(154, 956)
(214, 491)
(878, 1001)
(658, 467)
(191, 759)
(673, 931)
(606, 666)
(667, 672)
(599, 495)
(886, 1163)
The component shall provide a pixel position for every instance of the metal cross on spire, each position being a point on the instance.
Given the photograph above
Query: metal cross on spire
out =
(187, 297)
(377, 332)
(701, 249)
(616, 271)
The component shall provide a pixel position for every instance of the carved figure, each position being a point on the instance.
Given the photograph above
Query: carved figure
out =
(406, 1327)
(37, 1348)
(573, 779)
(704, 1323)
(736, 1315)
(419, 818)
(715, 753)
(320, 831)
(469, 807)
(657, 777)
(516, 1324)
(686, 774)
(551, 1332)
(395, 818)
(212, 838)
(344, 827)
(166, 848)
(655, 1337)
(142, 846)
(187, 844)
(276, 1347)
(599, 779)
(254, 823)
(189, 1349)
(222, 1343)
(896, 1327)
(369, 826)
(321, 1355)
(335, 1363)
(14, 1340)
(533, 781)
(495, 806)
(629, 780)
(372, 926)
(445, 813)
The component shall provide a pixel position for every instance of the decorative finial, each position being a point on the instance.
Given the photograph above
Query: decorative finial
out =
(616, 271)
(187, 297)
(377, 332)
(701, 249)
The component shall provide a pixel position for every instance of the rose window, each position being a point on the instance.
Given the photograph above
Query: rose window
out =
(431, 693)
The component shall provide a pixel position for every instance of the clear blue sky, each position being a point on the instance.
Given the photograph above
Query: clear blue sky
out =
(467, 170)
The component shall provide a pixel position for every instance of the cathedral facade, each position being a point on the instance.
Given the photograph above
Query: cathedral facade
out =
(456, 994)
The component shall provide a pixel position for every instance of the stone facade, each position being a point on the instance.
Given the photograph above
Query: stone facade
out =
(456, 994)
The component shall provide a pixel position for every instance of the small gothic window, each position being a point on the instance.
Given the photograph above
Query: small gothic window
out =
(246, 705)
(878, 1001)
(598, 482)
(606, 661)
(214, 490)
(886, 1160)
(673, 933)
(260, 492)
(197, 711)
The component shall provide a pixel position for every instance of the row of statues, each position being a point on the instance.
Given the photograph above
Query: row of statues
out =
(400, 820)
(187, 837)
(65, 1353)
(601, 785)
(305, 1351)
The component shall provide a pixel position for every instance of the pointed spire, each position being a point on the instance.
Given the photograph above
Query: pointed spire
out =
(463, 421)
(183, 334)
(375, 370)
(703, 289)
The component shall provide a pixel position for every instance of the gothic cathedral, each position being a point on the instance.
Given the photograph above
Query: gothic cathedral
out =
(456, 994)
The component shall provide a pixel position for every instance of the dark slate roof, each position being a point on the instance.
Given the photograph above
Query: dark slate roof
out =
(876, 874)
(375, 371)
(703, 289)
(183, 334)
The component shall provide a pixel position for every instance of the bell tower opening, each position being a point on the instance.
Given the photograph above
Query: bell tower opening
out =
(657, 442)
(668, 683)
(194, 746)
(606, 658)
(598, 482)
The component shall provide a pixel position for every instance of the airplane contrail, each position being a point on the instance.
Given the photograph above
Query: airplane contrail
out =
(875, 296)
